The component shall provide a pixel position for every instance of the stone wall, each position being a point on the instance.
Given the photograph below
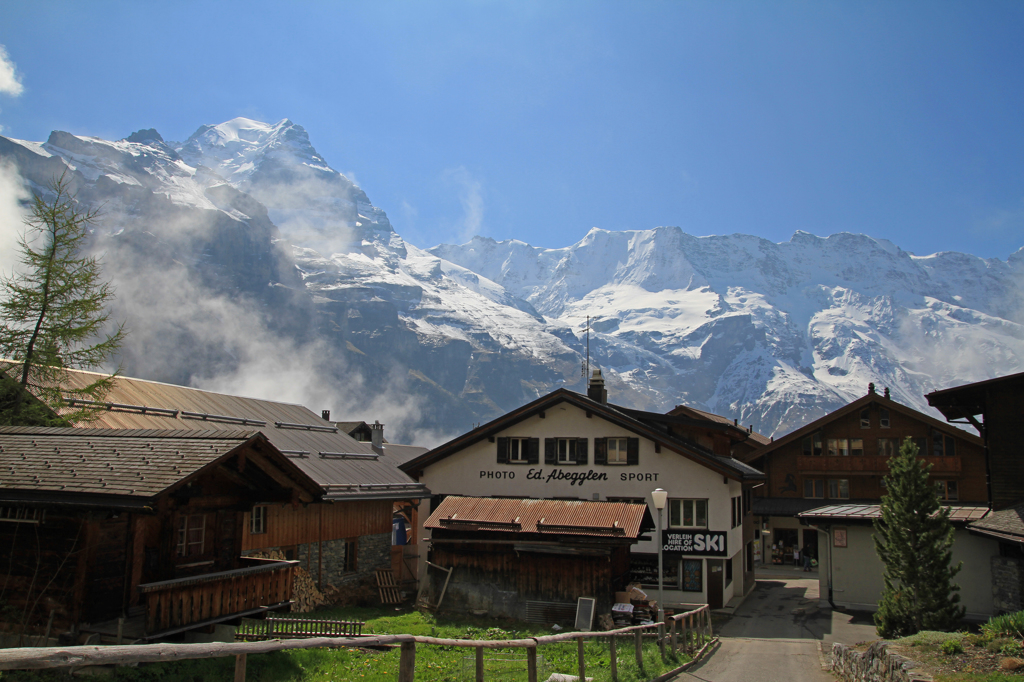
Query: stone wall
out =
(372, 552)
(877, 664)
(1007, 584)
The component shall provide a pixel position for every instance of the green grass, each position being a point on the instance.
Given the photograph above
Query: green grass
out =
(433, 663)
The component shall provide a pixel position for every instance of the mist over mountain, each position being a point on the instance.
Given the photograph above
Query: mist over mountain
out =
(244, 263)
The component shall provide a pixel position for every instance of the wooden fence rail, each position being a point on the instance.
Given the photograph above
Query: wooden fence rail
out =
(697, 623)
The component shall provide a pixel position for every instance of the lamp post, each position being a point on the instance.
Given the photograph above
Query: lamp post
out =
(660, 497)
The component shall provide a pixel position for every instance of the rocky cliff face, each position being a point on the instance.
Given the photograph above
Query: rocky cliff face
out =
(245, 263)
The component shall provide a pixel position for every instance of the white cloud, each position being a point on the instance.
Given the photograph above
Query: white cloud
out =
(12, 192)
(10, 83)
(472, 200)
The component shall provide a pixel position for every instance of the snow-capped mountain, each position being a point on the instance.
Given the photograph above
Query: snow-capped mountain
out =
(245, 263)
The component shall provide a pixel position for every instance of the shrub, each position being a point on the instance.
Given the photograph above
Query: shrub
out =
(952, 647)
(1006, 625)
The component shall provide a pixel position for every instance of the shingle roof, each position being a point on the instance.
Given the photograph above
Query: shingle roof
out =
(1005, 523)
(867, 512)
(757, 438)
(136, 463)
(554, 517)
(345, 467)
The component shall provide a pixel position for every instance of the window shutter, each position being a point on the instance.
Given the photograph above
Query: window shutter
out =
(549, 451)
(503, 451)
(533, 451)
(581, 450)
(600, 451)
(632, 451)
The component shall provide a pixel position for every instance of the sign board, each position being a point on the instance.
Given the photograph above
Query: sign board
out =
(696, 542)
(585, 614)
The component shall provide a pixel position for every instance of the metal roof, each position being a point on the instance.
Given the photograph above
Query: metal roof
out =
(552, 517)
(316, 446)
(108, 461)
(868, 512)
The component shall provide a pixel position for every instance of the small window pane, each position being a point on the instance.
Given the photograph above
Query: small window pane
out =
(687, 512)
(674, 516)
(865, 419)
(883, 418)
(856, 447)
(702, 513)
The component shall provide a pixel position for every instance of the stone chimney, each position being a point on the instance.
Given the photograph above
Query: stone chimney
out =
(871, 388)
(325, 415)
(886, 394)
(377, 434)
(596, 390)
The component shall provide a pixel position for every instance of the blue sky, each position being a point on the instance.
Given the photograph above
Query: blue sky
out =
(540, 120)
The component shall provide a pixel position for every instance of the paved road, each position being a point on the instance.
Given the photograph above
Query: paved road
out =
(774, 635)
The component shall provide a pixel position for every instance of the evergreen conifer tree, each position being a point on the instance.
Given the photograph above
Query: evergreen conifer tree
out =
(53, 314)
(914, 540)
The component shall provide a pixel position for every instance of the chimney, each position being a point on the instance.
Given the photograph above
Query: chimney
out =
(871, 388)
(325, 415)
(886, 394)
(377, 434)
(596, 390)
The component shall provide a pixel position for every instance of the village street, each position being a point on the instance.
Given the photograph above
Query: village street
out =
(773, 636)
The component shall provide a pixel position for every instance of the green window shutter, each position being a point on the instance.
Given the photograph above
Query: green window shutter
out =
(503, 451)
(549, 451)
(633, 451)
(533, 451)
(600, 451)
(581, 450)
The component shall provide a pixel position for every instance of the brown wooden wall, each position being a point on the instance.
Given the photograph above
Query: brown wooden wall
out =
(288, 525)
(865, 474)
(1004, 415)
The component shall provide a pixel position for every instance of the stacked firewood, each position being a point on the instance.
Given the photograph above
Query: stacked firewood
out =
(304, 591)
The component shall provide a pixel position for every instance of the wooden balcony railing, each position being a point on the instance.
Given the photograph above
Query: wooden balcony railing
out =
(868, 464)
(177, 604)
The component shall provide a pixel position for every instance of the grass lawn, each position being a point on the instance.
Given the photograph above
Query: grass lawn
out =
(433, 663)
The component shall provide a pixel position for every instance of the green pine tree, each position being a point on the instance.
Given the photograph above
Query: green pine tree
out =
(53, 314)
(914, 540)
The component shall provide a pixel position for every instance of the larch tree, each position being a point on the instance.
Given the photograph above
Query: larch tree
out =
(914, 540)
(53, 315)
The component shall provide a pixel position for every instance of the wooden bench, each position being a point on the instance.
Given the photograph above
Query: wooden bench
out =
(297, 628)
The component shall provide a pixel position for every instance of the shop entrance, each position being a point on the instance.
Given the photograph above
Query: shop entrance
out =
(784, 545)
(810, 543)
(716, 583)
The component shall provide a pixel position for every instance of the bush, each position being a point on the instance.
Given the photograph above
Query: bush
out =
(1007, 625)
(952, 647)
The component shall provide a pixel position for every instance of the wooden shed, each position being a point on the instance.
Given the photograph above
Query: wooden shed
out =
(142, 524)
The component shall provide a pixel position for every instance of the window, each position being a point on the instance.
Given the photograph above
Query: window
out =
(838, 447)
(737, 511)
(351, 552)
(693, 575)
(517, 448)
(22, 515)
(887, 447)
(812, 445)
(191, 534)
(947, 490)
(942, 444)
(688, 513)
(839, 488)
(883, 418)
(922, 445)
(856, 447)
(814, 488)
(259, 520)
(617, 451)
(565, 450)
(865, 419)
(728, 572)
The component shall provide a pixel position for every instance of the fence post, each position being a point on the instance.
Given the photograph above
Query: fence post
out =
(479, 664)
(613, 658)
(710, 632)
(531, 663)
(407, 662)
(239, 667)
(675, 641)
(583, 665)
(661, 639)
(638, 638)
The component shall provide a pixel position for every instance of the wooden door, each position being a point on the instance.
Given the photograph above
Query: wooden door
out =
(716, 583)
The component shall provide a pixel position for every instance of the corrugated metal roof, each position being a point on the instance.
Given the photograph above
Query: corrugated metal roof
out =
(130, 404)
(855, 512)
(107, 461)
(555, 517)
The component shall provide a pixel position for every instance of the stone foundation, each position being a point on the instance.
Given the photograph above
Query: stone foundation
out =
(876, 664)
(1007, 584)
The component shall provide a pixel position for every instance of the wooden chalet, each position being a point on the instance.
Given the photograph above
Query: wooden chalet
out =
(340, 540)
(145, 524)
(534, 554)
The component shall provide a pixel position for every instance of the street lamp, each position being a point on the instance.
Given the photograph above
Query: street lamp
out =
(660, 497)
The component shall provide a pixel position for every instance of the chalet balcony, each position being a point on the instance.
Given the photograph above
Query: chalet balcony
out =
(185, 603)
(867, 465)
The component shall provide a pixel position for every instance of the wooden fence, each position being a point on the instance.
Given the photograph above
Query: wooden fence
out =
(693, 626)
(296, 628)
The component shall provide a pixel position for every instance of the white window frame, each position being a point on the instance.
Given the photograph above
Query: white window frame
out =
(258, 520)
(621, 450)
(568, 456)
(680, 506)
(518, 450)
(883, 418)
